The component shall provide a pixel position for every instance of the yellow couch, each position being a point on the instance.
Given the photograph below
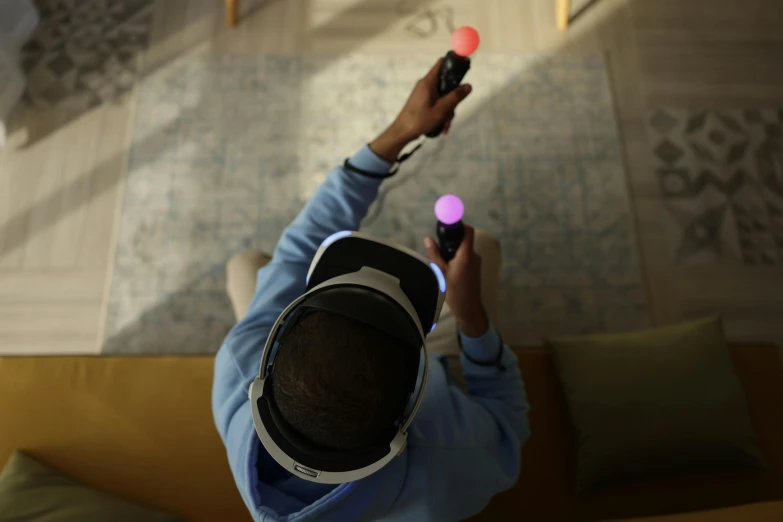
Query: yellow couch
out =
(138, 427)
(141, 428)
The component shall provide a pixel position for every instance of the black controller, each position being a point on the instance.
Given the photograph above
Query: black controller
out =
(449, 239)
(453, 70)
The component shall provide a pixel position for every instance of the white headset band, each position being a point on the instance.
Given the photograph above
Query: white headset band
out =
(367, 278)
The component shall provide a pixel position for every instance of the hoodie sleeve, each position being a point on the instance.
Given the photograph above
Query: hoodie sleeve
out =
(471, 443)
(497, 387)
(493, 415)
(340, 203)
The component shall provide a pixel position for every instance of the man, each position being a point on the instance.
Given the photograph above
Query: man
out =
(338, 381)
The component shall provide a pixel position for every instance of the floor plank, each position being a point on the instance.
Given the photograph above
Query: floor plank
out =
(50, 319)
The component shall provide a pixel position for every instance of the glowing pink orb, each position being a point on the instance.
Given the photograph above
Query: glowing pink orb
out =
(449, 209)
(465, 40)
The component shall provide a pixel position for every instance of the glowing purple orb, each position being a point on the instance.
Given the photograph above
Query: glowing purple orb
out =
(449, 209)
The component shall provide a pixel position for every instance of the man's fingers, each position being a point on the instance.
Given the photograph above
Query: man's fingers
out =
(431, 77)
(449, 102)
(434, 254)
(466, 247)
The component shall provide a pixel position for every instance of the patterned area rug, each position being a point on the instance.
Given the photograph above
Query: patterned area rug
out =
(85, 52)
(721, 176)
(227, 149)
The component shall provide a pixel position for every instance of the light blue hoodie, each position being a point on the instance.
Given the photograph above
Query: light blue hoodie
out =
(462, 449)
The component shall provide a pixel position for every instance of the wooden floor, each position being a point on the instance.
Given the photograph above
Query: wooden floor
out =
(59, 194)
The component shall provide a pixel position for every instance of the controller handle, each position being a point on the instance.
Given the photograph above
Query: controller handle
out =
(449, 230)
(456, 63)
(449, 239)
(453, 70)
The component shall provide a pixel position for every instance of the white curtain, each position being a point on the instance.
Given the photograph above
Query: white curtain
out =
(18, 19)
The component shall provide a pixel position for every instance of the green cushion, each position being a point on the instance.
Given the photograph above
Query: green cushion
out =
(654, 402)
(32, 492)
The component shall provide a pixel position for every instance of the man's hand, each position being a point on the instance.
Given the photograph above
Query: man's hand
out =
(423, 112)
(463, 284)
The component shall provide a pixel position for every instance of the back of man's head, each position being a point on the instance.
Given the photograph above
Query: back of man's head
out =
(339, 382)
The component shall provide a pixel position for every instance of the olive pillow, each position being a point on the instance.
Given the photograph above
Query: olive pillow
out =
(32, 492)
(654, 402)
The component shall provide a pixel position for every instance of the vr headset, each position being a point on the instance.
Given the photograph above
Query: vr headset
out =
(389, 287)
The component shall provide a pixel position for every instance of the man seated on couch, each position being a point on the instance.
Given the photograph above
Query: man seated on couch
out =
(337, 381)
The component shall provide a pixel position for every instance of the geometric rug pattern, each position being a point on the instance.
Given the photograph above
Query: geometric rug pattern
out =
(85, 52)
(226, 150)
(721, 175)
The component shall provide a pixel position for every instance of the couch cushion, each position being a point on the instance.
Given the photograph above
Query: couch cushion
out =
(140, 428)
(655, 402)
(546, 488)
(33, 492)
